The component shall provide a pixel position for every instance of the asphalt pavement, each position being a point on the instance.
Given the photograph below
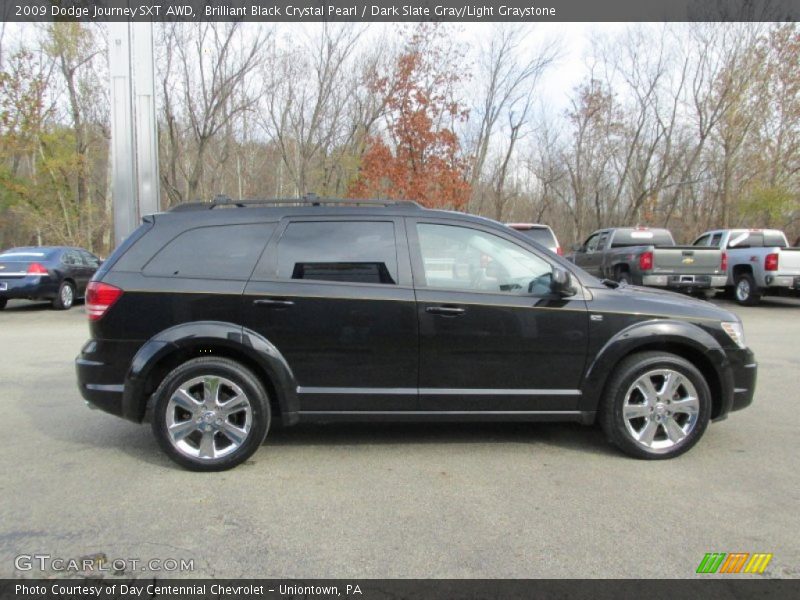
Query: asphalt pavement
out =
(392, 500)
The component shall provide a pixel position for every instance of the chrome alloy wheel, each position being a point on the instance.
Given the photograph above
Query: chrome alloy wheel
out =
(67, 296)
(208, 417)
(743, 290)
(661, 409)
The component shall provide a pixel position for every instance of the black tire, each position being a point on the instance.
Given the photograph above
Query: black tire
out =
(3, 302)
(610, 413)
(745, 291)
(233, 372)
(65, 297)
(624, 277)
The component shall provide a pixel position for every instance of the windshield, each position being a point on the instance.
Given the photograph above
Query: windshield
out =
(642, 237)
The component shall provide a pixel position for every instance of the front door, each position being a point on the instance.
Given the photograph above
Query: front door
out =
(493, 337)
(335, 297)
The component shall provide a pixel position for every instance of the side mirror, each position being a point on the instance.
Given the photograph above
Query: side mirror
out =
(561, 283)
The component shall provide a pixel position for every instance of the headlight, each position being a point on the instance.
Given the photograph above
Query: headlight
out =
(735, 331)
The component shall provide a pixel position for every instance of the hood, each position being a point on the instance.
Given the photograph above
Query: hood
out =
(645, 300)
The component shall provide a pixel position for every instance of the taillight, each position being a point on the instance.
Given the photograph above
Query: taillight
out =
(559, 251)
(36, 269)
(771, 262)
(99, 298)
(646, 261)
(723, 265)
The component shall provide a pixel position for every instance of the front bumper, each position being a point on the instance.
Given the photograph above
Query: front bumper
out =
(685, 281)
(745, 371)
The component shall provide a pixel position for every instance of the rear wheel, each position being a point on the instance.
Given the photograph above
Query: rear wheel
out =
(211, 414)
(657, 406)
(745, 290)
(66, 296)
(624, 277)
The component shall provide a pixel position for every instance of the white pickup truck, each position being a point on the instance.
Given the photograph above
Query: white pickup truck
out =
(759, 262)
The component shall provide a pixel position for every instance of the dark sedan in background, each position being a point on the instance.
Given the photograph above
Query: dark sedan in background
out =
(54, 273)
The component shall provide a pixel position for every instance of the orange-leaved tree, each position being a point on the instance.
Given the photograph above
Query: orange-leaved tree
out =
(419, 156)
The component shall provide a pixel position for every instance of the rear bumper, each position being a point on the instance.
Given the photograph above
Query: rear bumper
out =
(778, 280)
(28, 288)
(101, 367)
(685, 281)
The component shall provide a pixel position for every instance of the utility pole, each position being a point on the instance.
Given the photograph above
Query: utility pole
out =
(134, 132)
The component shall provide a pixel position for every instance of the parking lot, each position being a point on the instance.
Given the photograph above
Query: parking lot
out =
(400, 500)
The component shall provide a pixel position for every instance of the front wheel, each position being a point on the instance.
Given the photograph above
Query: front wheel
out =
(211, 414)
(745, 291)
(657, 406)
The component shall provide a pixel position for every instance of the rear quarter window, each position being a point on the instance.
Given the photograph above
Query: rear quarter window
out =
(540, 235)
(212, 252)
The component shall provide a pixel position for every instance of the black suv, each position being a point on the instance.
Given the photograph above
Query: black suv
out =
(221, 318)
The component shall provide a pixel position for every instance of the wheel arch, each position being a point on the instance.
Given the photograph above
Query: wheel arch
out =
(162, 353)
(681, 338)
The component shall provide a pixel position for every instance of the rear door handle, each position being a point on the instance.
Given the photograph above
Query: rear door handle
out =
(273, 303)
(449, 311)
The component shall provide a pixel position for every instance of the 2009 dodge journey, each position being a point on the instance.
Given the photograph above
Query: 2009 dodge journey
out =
(220, 319)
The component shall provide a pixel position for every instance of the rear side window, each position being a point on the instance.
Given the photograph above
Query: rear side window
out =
(702, 240)
(642, 237)
(541, 235)
(216, 252)
(344, 251)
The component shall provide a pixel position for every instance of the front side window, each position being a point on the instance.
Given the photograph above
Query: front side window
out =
(592, 243)
(460, 258)
(341, 251)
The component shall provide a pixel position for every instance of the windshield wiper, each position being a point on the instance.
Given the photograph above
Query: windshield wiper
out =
(610, 283)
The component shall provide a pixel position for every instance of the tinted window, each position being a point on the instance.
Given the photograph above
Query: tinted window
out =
(541, 235)
(350, 251)
(746, 239)
(90, 259)
(72, 258)
(459, 258)
(642, 237)
(218, 252)
(774, 238)
(716, 240)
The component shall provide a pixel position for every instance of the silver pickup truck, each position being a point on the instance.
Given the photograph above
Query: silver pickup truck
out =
(759, 262)
(648, 256)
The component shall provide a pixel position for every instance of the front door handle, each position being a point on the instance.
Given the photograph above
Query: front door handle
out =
(273, 303)
(448, 311)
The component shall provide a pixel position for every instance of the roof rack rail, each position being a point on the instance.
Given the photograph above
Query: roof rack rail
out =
(307, 200)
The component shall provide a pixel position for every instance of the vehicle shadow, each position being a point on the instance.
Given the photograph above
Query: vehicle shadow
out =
(24, 306)
(107, 433)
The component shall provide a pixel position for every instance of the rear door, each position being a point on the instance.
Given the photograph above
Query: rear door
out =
(335, 296)
(492, 337)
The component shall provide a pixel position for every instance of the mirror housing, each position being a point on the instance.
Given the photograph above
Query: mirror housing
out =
(561, 283)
